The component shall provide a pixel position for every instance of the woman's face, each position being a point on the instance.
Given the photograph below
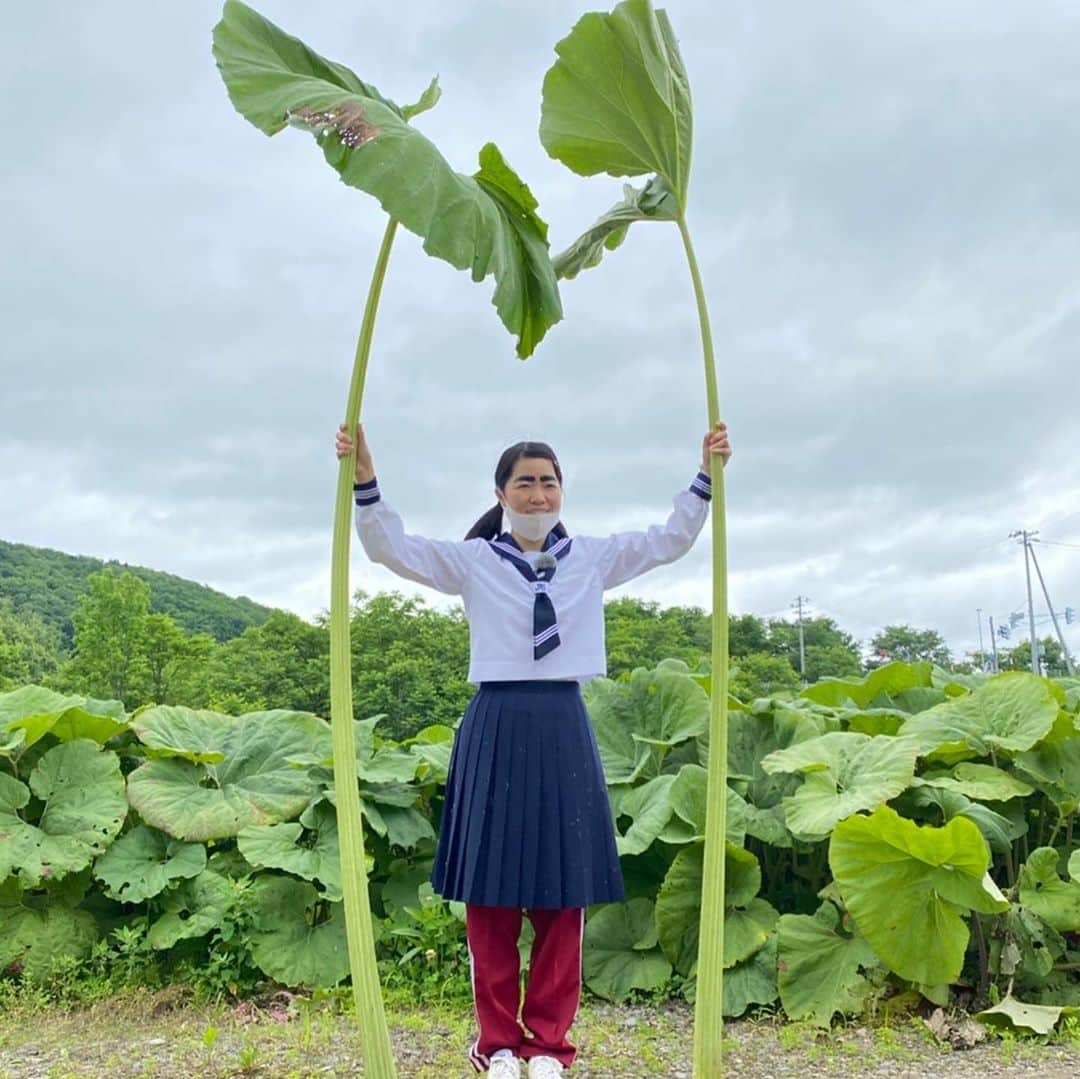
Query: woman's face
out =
(532, 487)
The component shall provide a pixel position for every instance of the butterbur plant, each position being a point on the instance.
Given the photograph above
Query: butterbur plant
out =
(617, 101)
(485, 223)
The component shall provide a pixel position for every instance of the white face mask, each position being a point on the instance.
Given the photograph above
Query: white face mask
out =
(532, 526)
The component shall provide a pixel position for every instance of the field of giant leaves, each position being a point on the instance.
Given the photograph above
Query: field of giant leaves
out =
(909, 831)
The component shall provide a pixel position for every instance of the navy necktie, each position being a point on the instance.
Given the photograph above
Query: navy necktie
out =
(545, 623)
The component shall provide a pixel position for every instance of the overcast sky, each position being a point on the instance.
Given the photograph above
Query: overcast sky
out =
(885, 199)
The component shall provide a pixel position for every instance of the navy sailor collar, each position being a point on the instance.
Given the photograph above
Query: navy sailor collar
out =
(507, 547)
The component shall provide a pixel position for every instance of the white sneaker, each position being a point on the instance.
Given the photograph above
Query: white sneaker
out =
(544, 1068)
(504, 1065)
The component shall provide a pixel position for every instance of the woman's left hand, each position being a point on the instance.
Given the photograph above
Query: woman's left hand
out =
(715, 441)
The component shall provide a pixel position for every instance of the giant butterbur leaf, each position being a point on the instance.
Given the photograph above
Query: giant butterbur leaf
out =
(880, 688)
(37, 711)
(639, 718)
(1042, 891)
(1012, 1014)
(749, 920)
(982, 782)
(34, 940)
(844, 774)
(618, 100)
(1054, 766)
(620, 950)
(84, 808)
(485, 223)
(1010, 712)
(907, 889)
(194, 908)
(255, 781)
(753, 981)
(144, 862)
(307, 848)
(653, 202)
(821, 967)
(298, 938)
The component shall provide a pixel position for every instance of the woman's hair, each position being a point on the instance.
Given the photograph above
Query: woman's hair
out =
(490, 524)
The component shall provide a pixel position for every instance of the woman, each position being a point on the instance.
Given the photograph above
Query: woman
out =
(526, 823)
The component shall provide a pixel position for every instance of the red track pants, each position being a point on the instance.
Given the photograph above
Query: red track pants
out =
(551, 999)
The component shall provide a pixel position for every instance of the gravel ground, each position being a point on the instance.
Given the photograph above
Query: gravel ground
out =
(161, 1036)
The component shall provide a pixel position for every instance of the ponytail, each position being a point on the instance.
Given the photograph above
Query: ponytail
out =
(487, 527)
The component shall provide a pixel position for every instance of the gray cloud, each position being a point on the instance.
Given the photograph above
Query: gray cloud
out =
(885, 205)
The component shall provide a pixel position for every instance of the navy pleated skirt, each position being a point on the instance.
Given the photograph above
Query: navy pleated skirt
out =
(527, 821)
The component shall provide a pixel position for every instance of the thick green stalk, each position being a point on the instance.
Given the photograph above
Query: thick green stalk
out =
(709, 1009)
(367, 996)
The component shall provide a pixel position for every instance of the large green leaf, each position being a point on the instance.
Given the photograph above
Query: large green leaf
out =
(1054, 766)
(820, 966)
(34, 939)
(753, 981)
(982, 782)
(1011, 712)
(256, 780)
(845, 773)
(653, 202)
(1000, 825)
(748, 921)
(297, 938)
(485, 223)
(880, 688)
(144, 862)
(196, 907)
(752, 736)
(38, 711)
(617, 100)
(907, 889)
(649, 806)
(687, 821)
(620, 950)
(1042, 891)
(639, 718)
(1012, 1014)
(308, 847)
(84, 808)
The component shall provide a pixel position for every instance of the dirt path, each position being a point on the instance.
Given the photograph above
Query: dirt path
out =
(159, 1036)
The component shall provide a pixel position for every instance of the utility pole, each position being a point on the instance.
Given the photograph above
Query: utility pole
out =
(798, 604)
(1025, 538)
(982, 654)
(993, 645)
(1053, 616)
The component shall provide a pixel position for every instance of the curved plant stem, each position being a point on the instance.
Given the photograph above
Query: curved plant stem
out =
(709, 1009)
(378, 1057)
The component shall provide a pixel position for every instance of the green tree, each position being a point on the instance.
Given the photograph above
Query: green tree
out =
(171, 660)
(29, 648)
(1019, 657)
(908, 644)
(747, 634)
(281, 664)
(759, 674)
(639, 634)
(410, 662)
(110, 626)
(829, 650)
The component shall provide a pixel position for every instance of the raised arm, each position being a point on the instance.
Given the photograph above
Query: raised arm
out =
(440, 564)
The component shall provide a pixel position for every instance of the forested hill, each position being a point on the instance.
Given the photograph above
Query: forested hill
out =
(48, 584)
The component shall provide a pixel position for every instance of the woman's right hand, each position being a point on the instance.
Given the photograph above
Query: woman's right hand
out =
(343, 443)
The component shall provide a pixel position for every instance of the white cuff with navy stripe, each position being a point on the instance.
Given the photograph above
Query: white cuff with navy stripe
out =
(366, 494)
(702, 486)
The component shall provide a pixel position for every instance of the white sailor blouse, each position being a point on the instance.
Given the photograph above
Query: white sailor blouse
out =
(501, 588)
